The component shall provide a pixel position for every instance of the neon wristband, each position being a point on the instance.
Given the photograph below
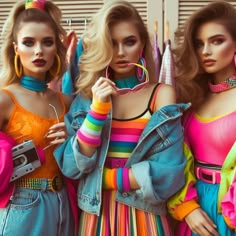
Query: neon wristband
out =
(119, 180)
(101, 108)
(104, 176)
(109, 178)
(97, 116)
(90, 141)
(125, 178)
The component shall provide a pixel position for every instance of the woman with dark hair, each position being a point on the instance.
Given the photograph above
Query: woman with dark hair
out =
(206, 76)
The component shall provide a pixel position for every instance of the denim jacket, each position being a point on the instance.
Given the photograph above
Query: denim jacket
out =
(157, 161)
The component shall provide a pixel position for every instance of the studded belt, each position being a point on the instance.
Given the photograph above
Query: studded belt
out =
(55, 184)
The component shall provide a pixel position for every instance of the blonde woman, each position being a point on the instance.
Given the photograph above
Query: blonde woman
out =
(125, 144)
(33, 202)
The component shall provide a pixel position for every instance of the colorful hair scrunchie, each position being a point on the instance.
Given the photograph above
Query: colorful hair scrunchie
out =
(39, 4)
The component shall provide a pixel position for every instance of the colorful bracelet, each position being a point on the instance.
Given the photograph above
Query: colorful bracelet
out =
(102, 108)
(119, 180)
(105, 183)
(116, 179)
(109, 179)
(92, 141)
(91, 129)
(125, 180)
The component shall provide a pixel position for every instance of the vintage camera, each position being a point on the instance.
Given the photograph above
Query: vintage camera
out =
(25, 159)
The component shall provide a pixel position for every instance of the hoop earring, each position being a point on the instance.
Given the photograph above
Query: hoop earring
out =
(18, 70)
(55, 72)
(140, 74)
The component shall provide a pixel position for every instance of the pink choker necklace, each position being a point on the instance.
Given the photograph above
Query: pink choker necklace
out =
(224, 85)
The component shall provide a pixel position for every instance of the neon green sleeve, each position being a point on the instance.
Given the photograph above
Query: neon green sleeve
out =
(185, 201)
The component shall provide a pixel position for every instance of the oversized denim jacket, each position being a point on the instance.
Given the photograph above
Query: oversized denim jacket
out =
(157, 161)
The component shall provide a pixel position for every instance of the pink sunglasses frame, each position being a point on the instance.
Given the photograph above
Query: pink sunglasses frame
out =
(123, 91)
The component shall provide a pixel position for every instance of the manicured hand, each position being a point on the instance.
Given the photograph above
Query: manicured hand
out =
(57, 133)
(103, 89)
(200, 223)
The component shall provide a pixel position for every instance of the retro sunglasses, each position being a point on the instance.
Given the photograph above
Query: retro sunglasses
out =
(142, 84)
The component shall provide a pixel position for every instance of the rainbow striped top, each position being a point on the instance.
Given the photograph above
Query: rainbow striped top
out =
(125, 135)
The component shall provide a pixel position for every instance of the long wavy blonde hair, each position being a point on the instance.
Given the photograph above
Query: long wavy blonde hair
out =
(51, 15)
(97, 43)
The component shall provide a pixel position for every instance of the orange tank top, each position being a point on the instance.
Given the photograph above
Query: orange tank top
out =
(25, 125)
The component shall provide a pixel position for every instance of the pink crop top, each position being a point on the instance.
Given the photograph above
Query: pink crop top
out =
(210, 139)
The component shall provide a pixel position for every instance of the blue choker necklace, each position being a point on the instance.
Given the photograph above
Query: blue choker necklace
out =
(33, 84)
(128, 82)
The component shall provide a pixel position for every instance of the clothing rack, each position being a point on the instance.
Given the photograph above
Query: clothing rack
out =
(75, 20)
(70, 21)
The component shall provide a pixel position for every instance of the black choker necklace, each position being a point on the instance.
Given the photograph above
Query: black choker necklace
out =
(33, 84)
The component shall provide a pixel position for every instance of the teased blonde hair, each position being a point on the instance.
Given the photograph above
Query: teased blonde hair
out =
(97, 43)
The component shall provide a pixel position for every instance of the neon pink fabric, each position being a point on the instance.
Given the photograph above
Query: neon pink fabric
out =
(228, 204)
(207, 137)
(6, 168)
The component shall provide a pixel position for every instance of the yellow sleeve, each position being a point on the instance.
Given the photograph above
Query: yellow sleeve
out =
(185, 201)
